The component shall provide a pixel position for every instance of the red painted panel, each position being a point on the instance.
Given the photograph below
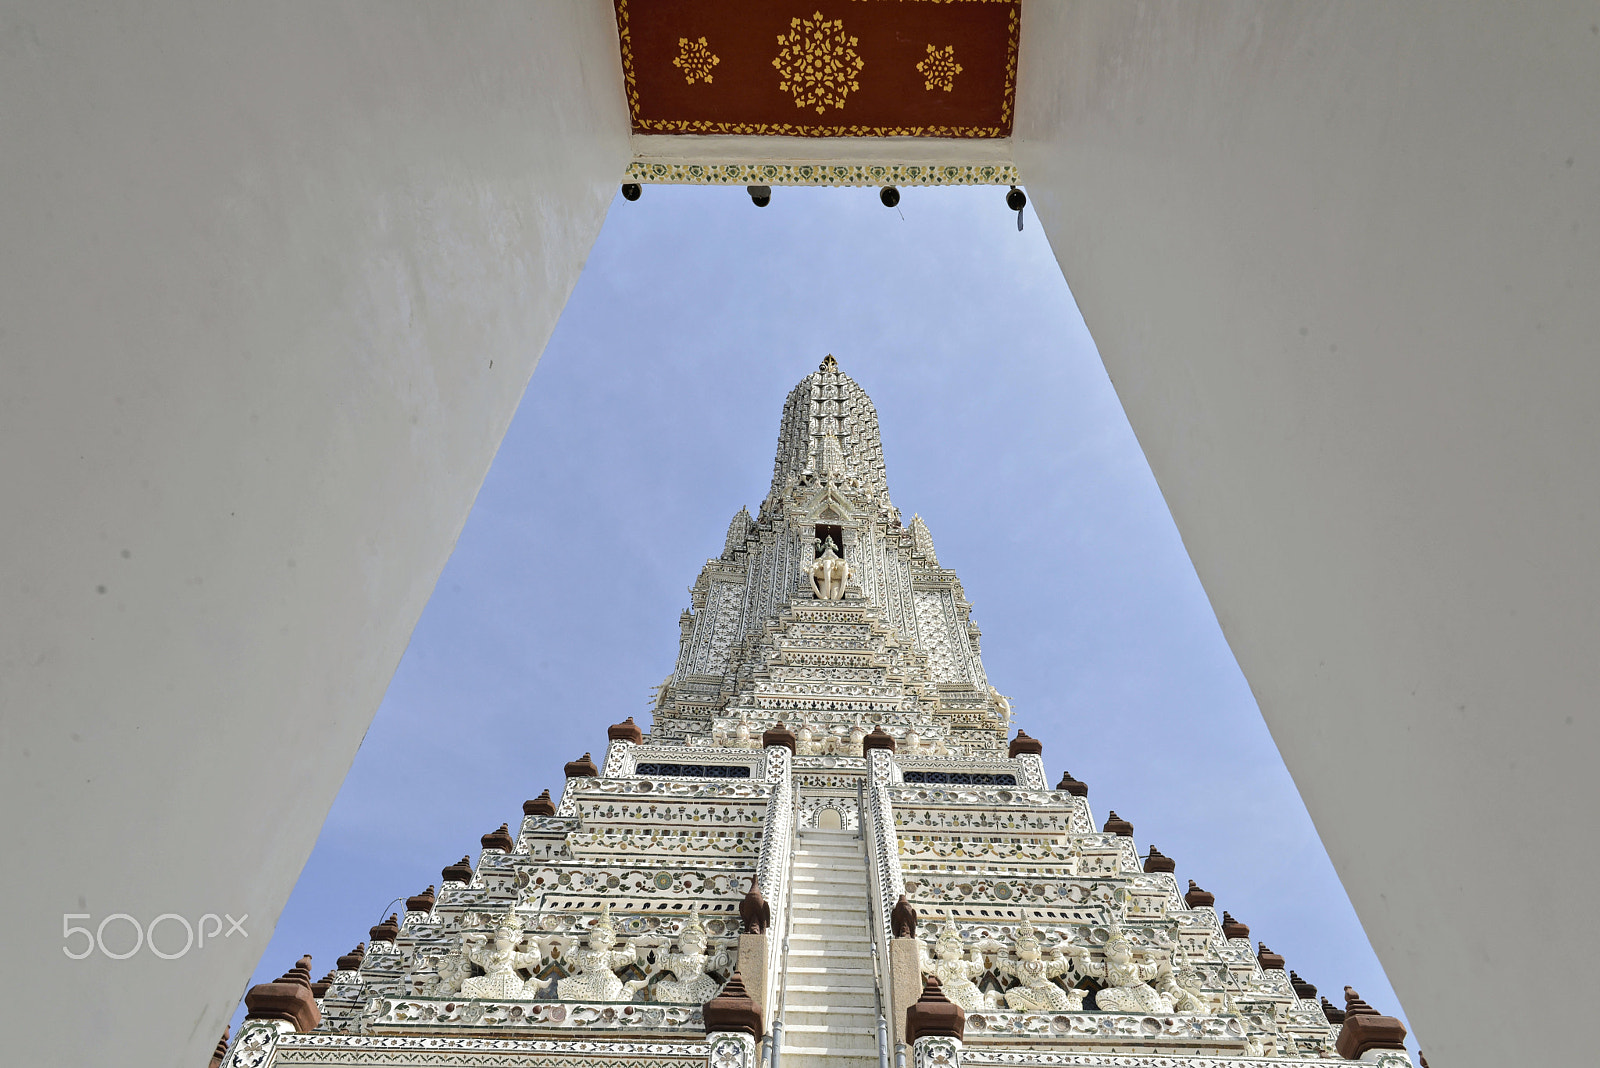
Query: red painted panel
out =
(839, 68)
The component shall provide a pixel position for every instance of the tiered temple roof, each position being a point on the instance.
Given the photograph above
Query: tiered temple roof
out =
(827, 767)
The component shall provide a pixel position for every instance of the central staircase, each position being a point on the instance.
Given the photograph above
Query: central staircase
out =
(830, 1017)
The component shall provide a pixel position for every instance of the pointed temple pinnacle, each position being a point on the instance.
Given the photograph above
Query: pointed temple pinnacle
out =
(828, 438)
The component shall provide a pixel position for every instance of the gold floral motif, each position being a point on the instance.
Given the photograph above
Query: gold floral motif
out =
(940, 68)
(695, 60)
(817, 62)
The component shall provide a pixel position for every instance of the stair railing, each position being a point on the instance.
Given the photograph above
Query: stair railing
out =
(874, 910)
(788, 926)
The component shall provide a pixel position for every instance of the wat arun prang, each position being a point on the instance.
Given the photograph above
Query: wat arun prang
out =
(829, 849)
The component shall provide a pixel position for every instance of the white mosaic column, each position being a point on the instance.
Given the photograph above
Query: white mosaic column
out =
(257, 1043)
(936, 1051)
(731, 1049)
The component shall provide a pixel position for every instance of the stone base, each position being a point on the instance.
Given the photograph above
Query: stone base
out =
(752, 965)
(905, 983)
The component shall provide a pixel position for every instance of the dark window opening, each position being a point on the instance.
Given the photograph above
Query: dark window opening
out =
(959, 778)
(824, 532)
(695, 771)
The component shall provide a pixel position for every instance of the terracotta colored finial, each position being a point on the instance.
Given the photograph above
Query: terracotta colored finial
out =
(1158, 861)
(934, 1014)
(500, 838)
(878, 739)
(778, 734)
(1115, 824)
(1232, 928)
(319, 989)
(286, 998)
(1072, 786)
(582, 768)
(539, 806)
(733, 1009)
(903, 919)
(1355, 1006)
(1365, 1028)
(387, 931)
(351, 961)
(1334, 1014)
(1198, 898)
(1022, 743)
(422, 902)
(1302, 989)
(222, 1049)
(755, 915)
(1268, 959)
(1421, 1059)
(459, 872)
(626, 731)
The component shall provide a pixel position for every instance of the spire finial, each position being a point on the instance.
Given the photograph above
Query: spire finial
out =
(829, 363)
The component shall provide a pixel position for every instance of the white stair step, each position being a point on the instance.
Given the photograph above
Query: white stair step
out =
(830, 1045)
(853, 936)
(815, 969)
(845, 1015)
(834, 1032)
(804, 1051)
(805, 990)
(841, 953)
(806, 1057)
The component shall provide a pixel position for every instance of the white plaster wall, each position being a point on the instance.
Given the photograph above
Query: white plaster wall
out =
(1343, 263)
(272, 280)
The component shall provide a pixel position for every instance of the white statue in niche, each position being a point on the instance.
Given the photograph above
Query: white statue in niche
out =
(451, 969)
(595, 980)
(1126, 977)
(829, 573)
(1034, 991)
(690, 983)
(1179, 982)
(499, 962)
(957, 969)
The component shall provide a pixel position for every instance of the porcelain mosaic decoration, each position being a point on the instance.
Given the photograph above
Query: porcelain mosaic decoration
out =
(830, 803)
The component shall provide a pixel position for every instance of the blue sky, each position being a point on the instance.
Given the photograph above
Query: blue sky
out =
(652, 418)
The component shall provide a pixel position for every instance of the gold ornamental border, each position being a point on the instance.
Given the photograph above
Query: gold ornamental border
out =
(838, 174)
(784, 129)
